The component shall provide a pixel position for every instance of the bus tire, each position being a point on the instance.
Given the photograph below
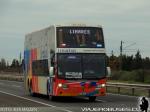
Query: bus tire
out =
(52, 98)
(30, 90)
(92, 98)
(48, 90)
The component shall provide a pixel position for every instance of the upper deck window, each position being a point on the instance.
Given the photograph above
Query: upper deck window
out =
(80, 37)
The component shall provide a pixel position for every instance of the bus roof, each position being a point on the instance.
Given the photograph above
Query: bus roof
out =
(77, 25)
(66, 25)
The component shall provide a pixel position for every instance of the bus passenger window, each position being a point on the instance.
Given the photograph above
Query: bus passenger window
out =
(40, 67)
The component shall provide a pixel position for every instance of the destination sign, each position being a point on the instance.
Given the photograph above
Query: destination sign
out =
(73, 31)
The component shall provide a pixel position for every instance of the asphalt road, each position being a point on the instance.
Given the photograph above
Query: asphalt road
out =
(12, 95)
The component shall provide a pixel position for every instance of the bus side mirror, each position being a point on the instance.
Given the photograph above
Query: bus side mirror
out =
(108, 71)
(51, 71)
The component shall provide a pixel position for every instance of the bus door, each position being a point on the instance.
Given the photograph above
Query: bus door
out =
(51, 80)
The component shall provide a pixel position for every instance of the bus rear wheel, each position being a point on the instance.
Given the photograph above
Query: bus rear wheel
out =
(31, 91)
(92, 98)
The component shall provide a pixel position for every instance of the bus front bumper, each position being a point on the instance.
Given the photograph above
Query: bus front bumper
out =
(78, 90)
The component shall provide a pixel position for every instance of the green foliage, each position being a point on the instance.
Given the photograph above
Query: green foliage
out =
(15, 63)
(15, 66)
(133, 68)
(147, 76)
(132, 76)
(138, 61)
(129, 63)
(3, 64)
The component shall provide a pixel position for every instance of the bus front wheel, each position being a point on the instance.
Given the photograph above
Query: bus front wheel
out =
(52, 98)
(92, 98)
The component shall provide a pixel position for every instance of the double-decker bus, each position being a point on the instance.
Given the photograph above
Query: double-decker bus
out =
(66, 60)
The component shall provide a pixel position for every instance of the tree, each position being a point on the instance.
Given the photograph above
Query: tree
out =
(15, 63)
(113, 62)
(146, 63)
(7, 64)
(138, 61)
(3, 64)
(127, 62)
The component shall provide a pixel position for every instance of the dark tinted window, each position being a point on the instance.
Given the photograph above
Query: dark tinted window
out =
(86, 66)
(40, 67)
(93, 66)
(69, 65)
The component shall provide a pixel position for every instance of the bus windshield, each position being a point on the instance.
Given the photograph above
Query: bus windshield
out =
(69, 66)
(80, 37)
(93, 66)
(81, 66)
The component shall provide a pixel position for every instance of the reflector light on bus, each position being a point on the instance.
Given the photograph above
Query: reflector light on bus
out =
(99, 45)
(101, 86)
(63, 45)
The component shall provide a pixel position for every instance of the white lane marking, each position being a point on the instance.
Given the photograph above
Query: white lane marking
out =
(27, 99)
(101, 100)
(16, 86)
(64, 109)
(34, 101)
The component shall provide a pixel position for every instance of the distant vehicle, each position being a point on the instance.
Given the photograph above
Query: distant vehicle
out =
(67, 60)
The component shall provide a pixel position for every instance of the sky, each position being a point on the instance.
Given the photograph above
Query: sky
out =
(126, 20)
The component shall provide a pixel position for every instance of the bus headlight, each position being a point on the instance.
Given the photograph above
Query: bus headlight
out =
(103, 85)
(100, 86)
(64, 86)
(60, 85)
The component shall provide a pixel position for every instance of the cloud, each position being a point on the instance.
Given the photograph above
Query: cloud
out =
(121, 19)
